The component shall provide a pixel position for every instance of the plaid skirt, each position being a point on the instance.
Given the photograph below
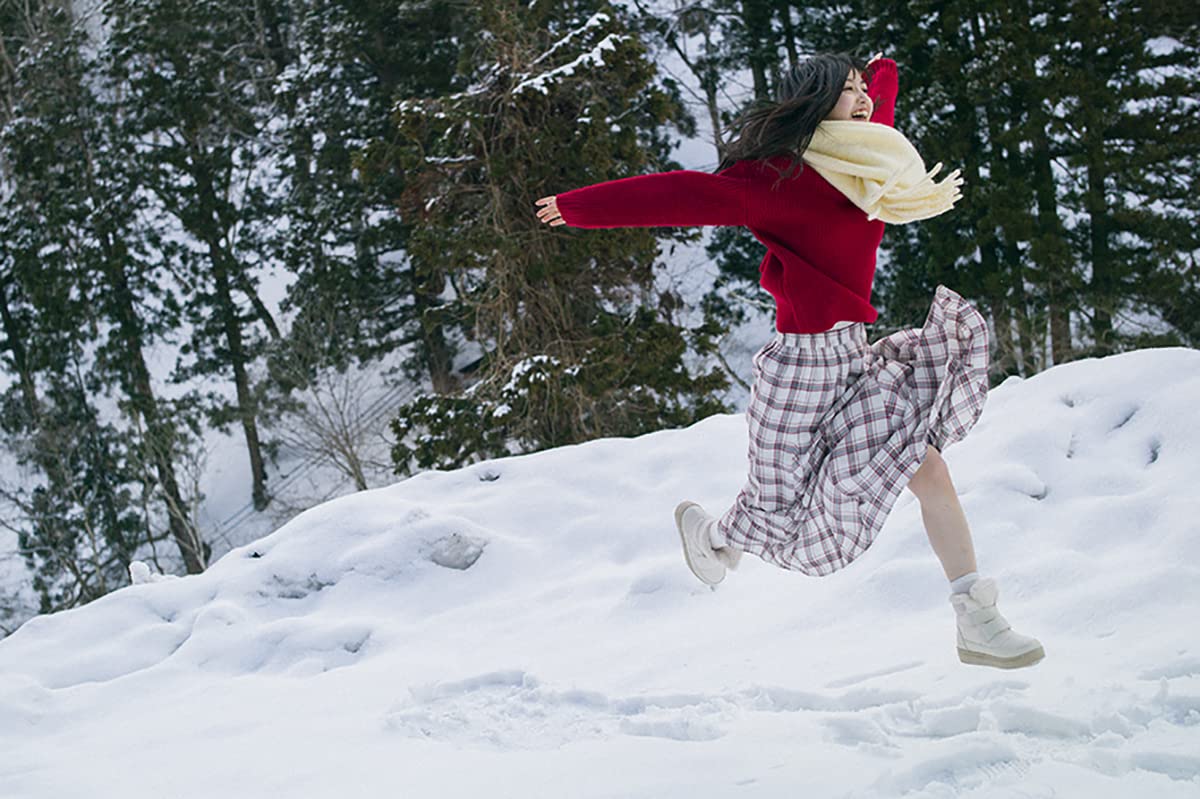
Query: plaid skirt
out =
(838, 427)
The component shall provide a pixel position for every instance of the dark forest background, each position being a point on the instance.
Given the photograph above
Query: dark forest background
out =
(160, 160)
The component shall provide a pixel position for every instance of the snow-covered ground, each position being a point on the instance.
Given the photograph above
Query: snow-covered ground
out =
(578, 657)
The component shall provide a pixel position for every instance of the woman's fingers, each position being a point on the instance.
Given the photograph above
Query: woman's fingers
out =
(549, 212)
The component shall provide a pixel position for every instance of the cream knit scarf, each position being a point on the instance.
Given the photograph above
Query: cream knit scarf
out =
(880, 171)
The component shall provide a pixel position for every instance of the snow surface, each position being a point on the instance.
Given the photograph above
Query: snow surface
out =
(563, 649)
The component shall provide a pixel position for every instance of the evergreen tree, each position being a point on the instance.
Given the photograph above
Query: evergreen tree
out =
(574, 346)
(950, 106)
(76, 282)
(354, 289)
(79, 530)
(75, 514)
(1072, 127)
(196, 80)
(1132, 137)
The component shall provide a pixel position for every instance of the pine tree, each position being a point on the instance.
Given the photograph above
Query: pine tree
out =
(1072, 125)
(1133, 133)
(354, 289)
(574, 347)
(196, 81)
(82, 527)
(76, 513)
(76, 282)
(1036, 91)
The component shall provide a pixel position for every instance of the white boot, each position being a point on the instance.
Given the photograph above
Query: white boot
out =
(693, 525)
(984, 636)
(728, 555)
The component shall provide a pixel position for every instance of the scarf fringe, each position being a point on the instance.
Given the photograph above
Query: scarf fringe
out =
(880, 171)
(923, 200)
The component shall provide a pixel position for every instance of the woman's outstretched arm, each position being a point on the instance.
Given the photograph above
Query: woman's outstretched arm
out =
(882, 89)
(682, 198)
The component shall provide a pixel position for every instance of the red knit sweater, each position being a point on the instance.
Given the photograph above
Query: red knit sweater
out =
(820, 259)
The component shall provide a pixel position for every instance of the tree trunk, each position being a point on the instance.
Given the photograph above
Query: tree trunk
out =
(1004, 355)
(714, 118)
(433, 339)
(1027, 361)
(968, 116)
(757, 19)
(16, 345)
(1097, 108)
(227, 310)
(707, 75)
(1049, 250)
(241, 380)
(45, 455)
(1061, 347)
(260, 309)
(789, 33)
(1102, 284)
(1019, 354)
(160, 439)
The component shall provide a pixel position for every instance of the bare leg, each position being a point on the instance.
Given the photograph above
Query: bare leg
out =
(984, 637)
(945, 522)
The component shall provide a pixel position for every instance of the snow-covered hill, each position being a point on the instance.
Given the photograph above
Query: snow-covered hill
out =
(349, 653)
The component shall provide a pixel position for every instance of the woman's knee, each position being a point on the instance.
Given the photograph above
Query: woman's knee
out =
(933, 476)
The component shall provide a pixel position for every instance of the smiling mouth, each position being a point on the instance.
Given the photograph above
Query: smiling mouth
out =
(860, 115)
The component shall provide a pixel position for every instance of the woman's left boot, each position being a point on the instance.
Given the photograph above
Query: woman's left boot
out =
(985, 638)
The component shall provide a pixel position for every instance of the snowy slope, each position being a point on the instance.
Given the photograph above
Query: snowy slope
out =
(224, 513)
(578, 657)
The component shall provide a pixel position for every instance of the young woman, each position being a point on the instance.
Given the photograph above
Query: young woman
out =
(838, 427)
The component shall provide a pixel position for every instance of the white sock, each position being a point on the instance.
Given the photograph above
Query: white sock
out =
(715, 537)
(963, 584)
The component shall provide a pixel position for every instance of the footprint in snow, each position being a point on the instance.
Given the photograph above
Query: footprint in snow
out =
(514, 710)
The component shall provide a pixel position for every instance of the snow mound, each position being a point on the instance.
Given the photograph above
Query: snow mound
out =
(530, 623)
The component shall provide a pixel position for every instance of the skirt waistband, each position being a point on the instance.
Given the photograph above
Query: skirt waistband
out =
(854, 335)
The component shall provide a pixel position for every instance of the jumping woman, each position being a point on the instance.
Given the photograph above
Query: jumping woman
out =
(838, 427)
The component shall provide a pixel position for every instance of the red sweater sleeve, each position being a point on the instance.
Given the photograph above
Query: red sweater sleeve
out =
(882, 89)
(681, 198)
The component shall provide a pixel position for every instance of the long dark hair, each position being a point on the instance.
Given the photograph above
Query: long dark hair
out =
(807, 93)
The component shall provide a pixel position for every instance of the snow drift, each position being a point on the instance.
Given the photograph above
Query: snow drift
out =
(527, 627)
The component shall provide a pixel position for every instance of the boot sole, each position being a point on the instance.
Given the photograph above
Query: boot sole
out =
(1018, 662)
(679, 511)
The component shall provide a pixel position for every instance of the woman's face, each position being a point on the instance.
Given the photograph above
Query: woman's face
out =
(854, 104)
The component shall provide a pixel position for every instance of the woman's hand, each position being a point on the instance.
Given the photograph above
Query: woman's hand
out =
(549, 212)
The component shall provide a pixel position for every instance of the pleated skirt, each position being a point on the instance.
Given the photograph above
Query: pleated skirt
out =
(838, 427)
